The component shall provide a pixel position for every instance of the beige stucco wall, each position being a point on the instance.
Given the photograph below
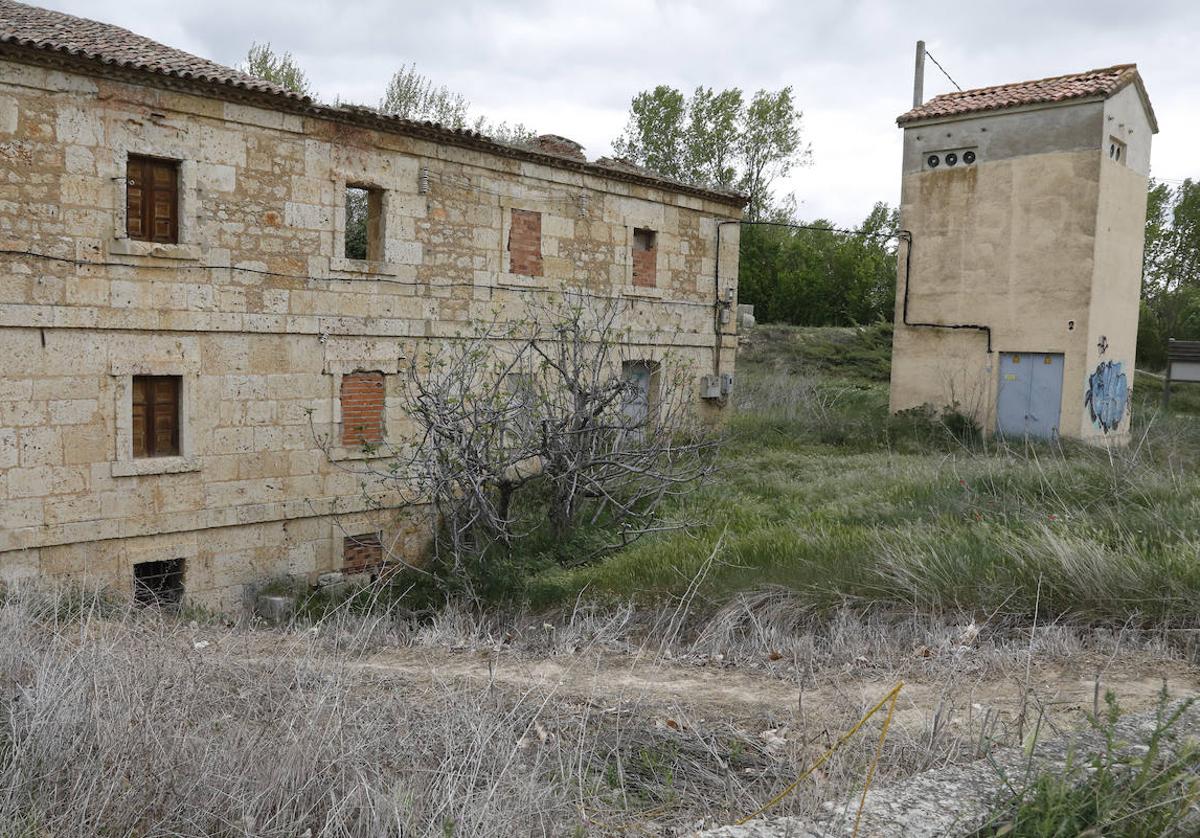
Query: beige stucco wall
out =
(1043, 247)
(259, 315)
(1120, 241)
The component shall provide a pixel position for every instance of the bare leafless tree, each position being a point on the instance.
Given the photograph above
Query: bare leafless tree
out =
(555, 421)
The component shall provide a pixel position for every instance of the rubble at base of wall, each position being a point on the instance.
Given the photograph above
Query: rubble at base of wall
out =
(957, 800)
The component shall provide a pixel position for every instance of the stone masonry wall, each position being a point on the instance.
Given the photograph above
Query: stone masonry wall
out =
(264, 320)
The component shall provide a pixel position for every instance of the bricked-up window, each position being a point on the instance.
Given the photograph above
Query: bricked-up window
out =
(525, 243)
(158, 583)
(156, 409)
(362, 408)
(364, 222)
(361, 553)
(152, 199)
(645, 258)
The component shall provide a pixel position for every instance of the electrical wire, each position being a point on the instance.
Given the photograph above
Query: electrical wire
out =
(840, 230)
(943, 69)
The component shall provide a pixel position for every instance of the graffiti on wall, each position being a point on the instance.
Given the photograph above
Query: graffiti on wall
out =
(1107, 396)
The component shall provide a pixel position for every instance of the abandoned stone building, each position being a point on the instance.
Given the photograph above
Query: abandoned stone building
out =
(180, 304)
(1019, 278)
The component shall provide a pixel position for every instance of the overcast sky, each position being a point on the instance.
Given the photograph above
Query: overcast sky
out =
(571, 68)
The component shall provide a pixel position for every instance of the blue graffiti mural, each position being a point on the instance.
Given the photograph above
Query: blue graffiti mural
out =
(1107, 395)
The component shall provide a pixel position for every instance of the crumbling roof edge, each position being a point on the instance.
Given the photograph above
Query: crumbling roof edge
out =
(27, 51)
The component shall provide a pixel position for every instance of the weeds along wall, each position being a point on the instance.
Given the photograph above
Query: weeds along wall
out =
(250, 310)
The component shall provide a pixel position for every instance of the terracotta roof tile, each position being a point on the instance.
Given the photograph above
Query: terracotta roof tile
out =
(1103, 82)
(42, 29)
(31, 27)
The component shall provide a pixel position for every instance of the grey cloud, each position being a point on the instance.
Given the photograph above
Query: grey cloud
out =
(571, 68)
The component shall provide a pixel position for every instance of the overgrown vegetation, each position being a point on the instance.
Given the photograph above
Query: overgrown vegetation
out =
(1123, 790)
(120, 721)
(823, 493)
(544, 433)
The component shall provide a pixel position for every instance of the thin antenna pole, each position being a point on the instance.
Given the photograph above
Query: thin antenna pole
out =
(919, 76)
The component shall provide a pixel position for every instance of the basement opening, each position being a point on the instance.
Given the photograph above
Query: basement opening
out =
(158, 583)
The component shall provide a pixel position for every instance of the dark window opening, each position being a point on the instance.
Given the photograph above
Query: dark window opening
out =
(156, 414)
(364, 223)
(158, 583)
(152, 199)
(644, 239)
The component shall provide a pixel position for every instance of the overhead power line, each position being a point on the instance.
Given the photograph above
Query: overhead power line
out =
(943, 69)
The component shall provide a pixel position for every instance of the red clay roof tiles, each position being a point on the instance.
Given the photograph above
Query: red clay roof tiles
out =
(42, 29)
(33, 28)
(1102, 82)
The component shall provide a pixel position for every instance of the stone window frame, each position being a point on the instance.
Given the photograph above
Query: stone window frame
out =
(125, 464)
(505, 275)
(188, 244)
(660, 263)
(337, 370)
(384, 266)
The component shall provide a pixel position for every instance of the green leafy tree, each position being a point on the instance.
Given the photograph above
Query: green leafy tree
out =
(817, 276)
(654, 137)
(412, 95)
(1170, 270)
(278, 67)
(719, 139)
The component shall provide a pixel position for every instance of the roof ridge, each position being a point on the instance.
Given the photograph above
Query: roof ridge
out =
(1066, 87)
(34, 34)
(64, 32)
(1081, 74)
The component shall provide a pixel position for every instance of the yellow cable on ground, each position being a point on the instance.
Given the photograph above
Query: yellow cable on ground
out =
(842, 740)
(887, 722)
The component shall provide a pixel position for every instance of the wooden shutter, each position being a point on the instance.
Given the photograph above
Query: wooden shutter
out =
(152, 199)
(135, 198)
(156, 403)
(141, 416)
(166, 416)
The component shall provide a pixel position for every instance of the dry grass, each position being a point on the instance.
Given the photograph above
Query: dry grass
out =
(127, 722)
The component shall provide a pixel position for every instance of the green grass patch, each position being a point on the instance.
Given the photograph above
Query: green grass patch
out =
(823, 493)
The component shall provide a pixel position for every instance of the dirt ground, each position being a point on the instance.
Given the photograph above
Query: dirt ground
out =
(771, 694)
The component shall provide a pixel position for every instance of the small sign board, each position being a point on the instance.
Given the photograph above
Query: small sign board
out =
(1183, 364)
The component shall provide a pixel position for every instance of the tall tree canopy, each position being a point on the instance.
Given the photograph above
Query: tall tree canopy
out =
(1170, 270)
(718, 138)
(413, 95)
(821, 277)
(278, 67)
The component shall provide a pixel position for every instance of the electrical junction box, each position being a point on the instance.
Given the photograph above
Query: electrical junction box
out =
(710, 387)
(726, 383)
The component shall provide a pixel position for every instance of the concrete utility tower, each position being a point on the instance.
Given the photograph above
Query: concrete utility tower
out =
(1017, 293)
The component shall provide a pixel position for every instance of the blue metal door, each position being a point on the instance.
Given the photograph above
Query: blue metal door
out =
(1030, 398)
